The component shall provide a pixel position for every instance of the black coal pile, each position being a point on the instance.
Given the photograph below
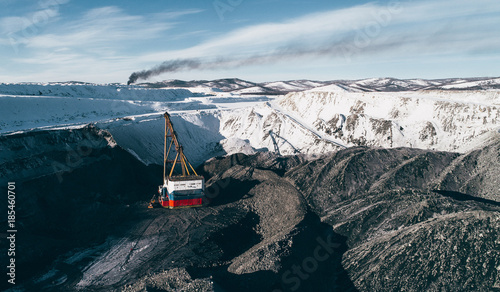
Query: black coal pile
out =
(73, 188)
(407, 227)
(360, 219)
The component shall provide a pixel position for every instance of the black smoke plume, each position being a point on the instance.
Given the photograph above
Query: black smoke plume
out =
(344, 48)
(167, 66)
(190, 64)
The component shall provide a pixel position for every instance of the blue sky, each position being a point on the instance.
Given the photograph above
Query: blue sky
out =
(105, 41)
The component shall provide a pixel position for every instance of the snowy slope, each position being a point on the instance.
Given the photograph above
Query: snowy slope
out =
(209, 133)
(430, 120)
(239, 86)
(227, 85)
(399, 85)
(334, 88)
(212, 122)
(294, 85)
(87, 90)
(464, 84)
(28, 112)
(253, 90)
(364, 85)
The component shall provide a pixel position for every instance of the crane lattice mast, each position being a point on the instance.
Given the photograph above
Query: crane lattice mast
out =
(174, 156)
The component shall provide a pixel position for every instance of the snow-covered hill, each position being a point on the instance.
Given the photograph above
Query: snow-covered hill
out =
(364, 85)
(89, 90)
(440, 120)
(34, 105)
(211, 122)
(208, 133)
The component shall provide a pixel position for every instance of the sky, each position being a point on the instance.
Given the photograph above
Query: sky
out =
(256, 40)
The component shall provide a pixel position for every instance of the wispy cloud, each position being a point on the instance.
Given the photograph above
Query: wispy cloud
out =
(258, 38)
(13, 24)
(110, 42)
(19, 28)
(98, 40)
(106, 26)
(396, 30)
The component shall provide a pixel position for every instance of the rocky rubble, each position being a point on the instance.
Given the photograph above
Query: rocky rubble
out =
(359, 219)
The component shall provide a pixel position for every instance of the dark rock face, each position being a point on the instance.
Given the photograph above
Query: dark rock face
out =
(477, 173)
(72, 190)
(403, 228)
(403, 234)
(360, 219)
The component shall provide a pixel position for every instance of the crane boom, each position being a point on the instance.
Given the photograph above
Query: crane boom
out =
(182, 187)
(177, 152)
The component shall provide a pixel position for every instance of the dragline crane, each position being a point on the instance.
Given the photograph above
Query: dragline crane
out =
(182, 187)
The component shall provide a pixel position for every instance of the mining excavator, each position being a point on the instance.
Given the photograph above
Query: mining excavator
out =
(182, 187)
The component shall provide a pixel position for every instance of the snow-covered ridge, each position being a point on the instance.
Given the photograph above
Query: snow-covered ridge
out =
(87, 90)
(440, 120)
(239, 86)
(213, 122)
(208, 133)
(464, 84)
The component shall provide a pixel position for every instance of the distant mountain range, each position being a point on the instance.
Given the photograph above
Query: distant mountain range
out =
(240, 86)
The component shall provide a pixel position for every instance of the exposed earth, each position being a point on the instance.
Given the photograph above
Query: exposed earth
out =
(359, 219)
